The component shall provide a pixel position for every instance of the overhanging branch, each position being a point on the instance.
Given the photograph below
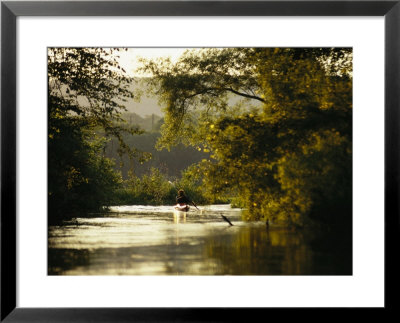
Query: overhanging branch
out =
(254, 97)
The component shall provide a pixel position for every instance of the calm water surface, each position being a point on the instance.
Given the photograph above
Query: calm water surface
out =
(148, 240)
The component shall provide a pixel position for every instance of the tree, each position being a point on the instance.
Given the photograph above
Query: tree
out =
(86, 92)
(198, 88)
(284, 150)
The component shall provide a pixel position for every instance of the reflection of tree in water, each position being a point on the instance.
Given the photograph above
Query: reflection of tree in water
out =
(253, 250)
(333, 251)
(62, 260)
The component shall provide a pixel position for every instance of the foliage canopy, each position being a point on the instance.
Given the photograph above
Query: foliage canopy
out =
(86, 92)
(284, 150)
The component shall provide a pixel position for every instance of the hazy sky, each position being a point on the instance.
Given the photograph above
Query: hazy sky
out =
(129, 59)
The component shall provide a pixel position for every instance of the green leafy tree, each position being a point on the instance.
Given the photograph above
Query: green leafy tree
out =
(86, 94)
(284, 150)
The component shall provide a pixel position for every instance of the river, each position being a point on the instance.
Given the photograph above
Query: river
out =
(154, 240)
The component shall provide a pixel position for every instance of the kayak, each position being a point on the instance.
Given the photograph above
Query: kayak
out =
(182, 207)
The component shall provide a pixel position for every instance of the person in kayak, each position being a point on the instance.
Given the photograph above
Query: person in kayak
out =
(182, 200)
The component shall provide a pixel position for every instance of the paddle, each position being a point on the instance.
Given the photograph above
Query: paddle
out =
(195, 205)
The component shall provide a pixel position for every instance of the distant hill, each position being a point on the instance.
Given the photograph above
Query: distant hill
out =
(149, 123)
(147, 105)
(170, 163)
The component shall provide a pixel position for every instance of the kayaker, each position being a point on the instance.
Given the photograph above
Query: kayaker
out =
(182, 198)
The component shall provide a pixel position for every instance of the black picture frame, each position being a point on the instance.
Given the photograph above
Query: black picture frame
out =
(10, 10)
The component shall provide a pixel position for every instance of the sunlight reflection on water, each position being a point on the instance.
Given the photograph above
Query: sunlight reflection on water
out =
(155, 240)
